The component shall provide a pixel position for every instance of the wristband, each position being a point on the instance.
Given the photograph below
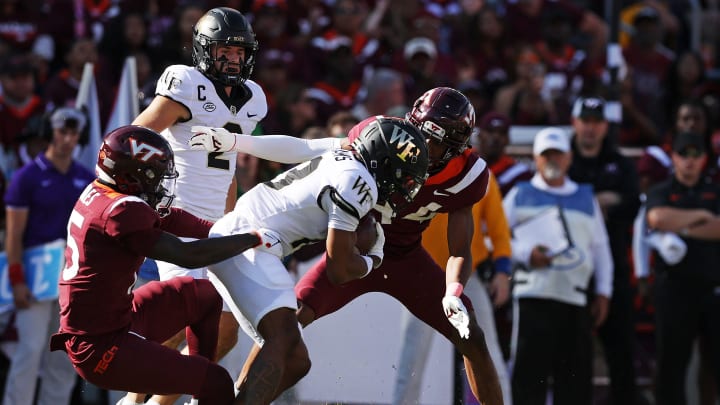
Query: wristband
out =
(369, 263)
(503, 265)
(15, 274)
(454, 289)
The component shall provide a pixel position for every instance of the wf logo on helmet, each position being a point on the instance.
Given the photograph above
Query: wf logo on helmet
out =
(404, 143)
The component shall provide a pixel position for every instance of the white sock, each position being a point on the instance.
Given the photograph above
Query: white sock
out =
(151, 402)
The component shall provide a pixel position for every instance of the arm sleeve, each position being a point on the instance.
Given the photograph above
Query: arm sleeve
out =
(345, 204)
(601, 255)
(183, 224)
(284, 148)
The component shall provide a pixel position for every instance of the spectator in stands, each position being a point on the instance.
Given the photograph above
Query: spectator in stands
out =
(597, 161)
(523, 100)
(648, 63)
(490, 222)
(277, 32)
(685, 79)
(176, 45)
(569, 70)
(554, 323)
(62, 88)
(524, 21)
(494, 137)
(382, 91)
(39, 200)
(339, 83)
(339, 125)
(480, 46)
(18, 104)
(125, 35)
(422, 65)
(687, 206)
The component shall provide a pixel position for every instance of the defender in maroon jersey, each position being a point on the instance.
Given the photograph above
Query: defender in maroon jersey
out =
(113, 334)
(458, 179)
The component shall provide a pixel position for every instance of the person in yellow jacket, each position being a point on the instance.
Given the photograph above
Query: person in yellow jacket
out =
(490, 223)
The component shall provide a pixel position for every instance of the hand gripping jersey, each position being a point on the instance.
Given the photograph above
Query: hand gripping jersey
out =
(461, 183)
(334, 190)
(109, 236)
(204, 177)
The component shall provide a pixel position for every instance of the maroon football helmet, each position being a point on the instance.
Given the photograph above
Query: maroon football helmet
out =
(445, 116)
(138, 161)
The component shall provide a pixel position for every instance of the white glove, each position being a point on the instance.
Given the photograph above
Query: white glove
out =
(270, 242)
(377, 249)
(670, 246)
(457, 314)
(211, 139)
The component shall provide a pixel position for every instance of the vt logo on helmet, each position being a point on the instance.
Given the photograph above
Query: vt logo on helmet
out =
(138, 161)
(395, 153)
(223, 26)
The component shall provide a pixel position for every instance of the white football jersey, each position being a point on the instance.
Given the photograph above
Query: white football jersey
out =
(334, 191)
(204, 177)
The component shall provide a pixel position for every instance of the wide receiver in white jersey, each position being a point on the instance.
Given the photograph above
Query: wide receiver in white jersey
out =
(321, 199)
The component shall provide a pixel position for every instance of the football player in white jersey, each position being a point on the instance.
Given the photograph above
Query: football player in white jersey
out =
(321, 199)
(215, 92)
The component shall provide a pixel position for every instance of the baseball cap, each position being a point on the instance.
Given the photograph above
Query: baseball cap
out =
(589, 107)
(685, 141)
(551, 138)
(420, 45)
(494, 121)
(67, 117)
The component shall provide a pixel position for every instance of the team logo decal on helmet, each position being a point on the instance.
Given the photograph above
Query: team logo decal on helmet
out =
(138, 161)
(395, 153)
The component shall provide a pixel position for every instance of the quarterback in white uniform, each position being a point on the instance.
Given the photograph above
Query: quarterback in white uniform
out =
(321, 199)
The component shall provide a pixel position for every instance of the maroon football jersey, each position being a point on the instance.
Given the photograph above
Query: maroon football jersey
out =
(462, 183)
(109, 236)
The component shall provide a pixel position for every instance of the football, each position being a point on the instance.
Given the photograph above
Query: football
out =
(366, 234)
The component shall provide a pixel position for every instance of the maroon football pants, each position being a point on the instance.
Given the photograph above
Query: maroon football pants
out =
(134, 359)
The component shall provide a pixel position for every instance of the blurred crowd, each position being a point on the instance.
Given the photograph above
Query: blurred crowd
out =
(327, 64)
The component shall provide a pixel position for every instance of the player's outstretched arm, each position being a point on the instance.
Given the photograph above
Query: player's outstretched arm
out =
(202, 252)
(278, 148)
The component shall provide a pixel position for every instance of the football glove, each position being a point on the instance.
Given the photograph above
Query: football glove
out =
(376, 251)
(211, 139)
(457, 314)
(270, 242)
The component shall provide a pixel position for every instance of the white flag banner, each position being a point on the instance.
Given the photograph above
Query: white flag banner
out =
(87, 99)
(126, 106)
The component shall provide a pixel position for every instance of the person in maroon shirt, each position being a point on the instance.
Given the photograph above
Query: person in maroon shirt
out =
(113, 334)
(458, 179)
